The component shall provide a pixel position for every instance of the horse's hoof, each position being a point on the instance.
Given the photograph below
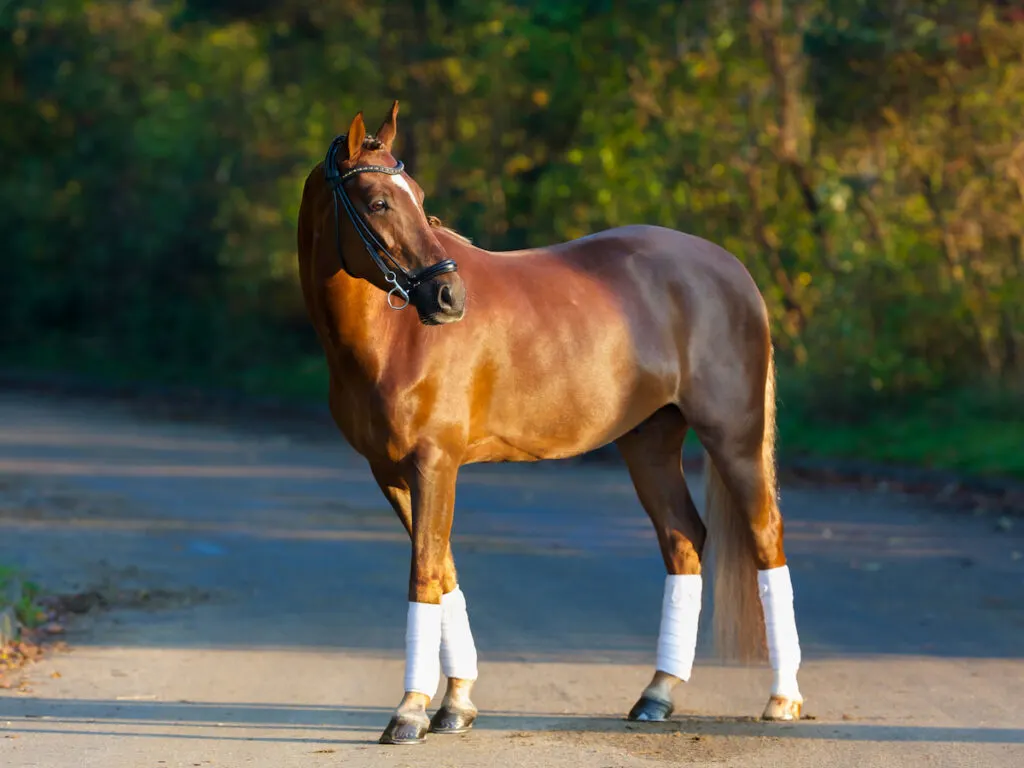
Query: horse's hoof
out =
(783, 708)
(450, 721)
(406, 729)
(648, 710)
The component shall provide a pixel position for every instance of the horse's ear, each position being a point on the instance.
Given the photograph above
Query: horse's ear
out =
(356, 134)
(388, 129)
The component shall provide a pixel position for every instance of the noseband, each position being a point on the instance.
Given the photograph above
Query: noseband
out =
(402, 281)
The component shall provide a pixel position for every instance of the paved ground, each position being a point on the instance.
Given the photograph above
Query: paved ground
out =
(260, 611)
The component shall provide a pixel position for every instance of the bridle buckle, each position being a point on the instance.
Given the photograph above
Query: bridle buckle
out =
(396, 290)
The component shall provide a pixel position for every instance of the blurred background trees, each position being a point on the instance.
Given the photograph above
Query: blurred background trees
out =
(864, 158)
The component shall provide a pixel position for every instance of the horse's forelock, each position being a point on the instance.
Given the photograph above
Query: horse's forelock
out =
(370, 142)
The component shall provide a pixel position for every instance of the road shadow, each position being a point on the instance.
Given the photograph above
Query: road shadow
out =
(345, 724)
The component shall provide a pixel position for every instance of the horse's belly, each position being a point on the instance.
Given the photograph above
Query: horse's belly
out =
(572, 408)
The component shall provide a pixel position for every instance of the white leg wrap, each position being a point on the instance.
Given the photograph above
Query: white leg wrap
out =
(680, 613)
(776, 592)
(422, 646)
(458, 652)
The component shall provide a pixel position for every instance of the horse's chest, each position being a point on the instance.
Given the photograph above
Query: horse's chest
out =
(374, 422)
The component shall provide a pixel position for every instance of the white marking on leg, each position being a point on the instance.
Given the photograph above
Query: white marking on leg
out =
(458, 651)
(680, 614)
(422, 646)
(776, 590)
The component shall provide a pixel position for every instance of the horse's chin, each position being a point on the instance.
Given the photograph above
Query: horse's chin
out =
(441, 318)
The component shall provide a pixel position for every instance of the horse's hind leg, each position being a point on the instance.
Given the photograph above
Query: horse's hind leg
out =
(458, 650)
(653, 453)
(753, 590)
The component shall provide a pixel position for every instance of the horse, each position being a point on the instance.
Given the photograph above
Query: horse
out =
(632, 335)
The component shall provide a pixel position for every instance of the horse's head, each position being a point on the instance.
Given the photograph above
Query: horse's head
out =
(385, 237)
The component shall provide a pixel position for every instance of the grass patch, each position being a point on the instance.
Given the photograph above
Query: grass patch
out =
(24, 624)
(971, 432)
(21, 596)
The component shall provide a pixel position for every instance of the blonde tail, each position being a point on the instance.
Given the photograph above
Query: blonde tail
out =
(739, 630)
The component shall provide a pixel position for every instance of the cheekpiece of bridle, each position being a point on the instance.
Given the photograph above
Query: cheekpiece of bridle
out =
(401, 280)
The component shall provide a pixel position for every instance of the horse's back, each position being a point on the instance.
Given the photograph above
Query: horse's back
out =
(655, 248)
(655, 243)
(654, 259)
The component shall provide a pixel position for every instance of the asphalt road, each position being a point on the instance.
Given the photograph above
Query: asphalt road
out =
(258, 583)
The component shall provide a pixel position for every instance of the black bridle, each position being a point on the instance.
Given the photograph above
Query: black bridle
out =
(394, 277)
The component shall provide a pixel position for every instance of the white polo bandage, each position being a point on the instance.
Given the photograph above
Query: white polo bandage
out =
(680, 614)
(422, 646)
(458, 652)
(776, 591)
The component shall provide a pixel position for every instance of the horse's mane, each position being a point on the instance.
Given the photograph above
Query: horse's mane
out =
(436, 223)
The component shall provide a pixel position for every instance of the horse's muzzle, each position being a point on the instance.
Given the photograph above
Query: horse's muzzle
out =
(441, 300)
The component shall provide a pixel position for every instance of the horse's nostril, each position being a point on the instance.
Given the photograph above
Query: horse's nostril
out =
(444, 297)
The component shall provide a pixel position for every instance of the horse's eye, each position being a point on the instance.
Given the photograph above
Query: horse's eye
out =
(378, 205)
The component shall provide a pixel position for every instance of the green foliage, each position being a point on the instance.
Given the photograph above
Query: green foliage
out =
(27, 611)
(976, 432)
(24, 600)
(7, 574)
(863, 158)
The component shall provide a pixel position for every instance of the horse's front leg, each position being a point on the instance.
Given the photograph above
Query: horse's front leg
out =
(437, 630)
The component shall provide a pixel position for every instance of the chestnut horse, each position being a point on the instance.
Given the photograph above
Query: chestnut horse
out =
(633, 335)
